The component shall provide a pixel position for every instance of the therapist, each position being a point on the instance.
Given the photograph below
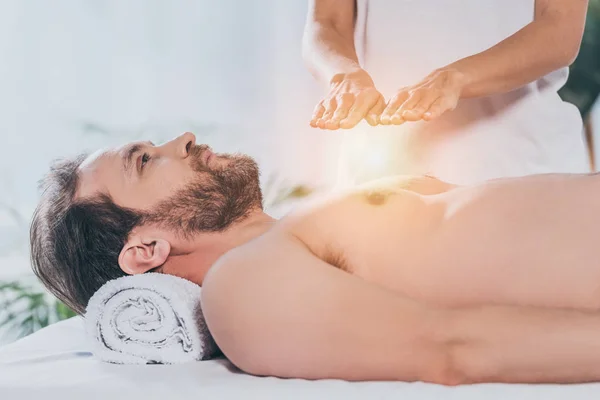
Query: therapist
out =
(465, 90)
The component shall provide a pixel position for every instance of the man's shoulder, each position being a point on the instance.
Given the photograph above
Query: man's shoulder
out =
(276, 251)
(279, 243)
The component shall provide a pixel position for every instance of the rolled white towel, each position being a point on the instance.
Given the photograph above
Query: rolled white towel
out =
(148, 319)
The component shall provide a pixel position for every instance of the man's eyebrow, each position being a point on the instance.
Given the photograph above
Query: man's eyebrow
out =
(128, 155)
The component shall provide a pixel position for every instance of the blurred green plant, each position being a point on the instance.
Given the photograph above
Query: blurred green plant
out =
(594, 8)
(26, 308)
(277, 193)
(583, 86)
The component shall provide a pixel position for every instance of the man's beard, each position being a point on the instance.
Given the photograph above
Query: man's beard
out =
(218, 197)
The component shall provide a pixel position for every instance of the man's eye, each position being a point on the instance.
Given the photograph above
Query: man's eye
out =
(145, 159)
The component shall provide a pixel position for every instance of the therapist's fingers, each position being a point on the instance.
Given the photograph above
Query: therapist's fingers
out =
(412, 100)
(440, 106)
(415, 113)
(330, 106)
(345, 103)
(375, 112)
(317, 114)
(392, 106)
(362, 105)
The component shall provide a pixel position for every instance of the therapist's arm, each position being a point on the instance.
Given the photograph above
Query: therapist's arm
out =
(289, 314)
(548, 43)
(329, 53)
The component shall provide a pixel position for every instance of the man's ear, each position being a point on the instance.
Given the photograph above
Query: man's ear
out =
(140, 255)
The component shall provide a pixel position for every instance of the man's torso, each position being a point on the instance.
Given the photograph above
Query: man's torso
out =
(526, 241)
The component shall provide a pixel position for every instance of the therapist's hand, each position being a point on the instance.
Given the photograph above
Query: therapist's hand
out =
(427, 100)
(351, 98)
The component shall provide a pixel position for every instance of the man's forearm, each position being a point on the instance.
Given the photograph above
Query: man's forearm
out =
(534, 51)
(524, 345)
(328, 52)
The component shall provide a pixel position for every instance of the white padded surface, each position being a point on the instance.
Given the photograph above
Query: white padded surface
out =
(55, 363)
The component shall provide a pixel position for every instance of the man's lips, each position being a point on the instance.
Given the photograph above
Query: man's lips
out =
(206, 156)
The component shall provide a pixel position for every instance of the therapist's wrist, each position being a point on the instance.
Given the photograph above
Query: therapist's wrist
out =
(351, 74)
(462, 77)
(457, 79)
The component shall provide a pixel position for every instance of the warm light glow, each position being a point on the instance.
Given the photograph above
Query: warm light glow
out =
(375, 158)
(366, 154)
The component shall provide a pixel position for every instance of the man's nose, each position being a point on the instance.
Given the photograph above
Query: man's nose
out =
(184, 143)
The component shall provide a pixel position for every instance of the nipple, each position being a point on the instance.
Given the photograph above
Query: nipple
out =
(376, 197)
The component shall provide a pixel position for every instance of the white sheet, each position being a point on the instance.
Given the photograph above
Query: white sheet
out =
(55, 363)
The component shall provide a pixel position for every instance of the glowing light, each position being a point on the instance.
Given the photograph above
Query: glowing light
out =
(376, 158)
(365, 156)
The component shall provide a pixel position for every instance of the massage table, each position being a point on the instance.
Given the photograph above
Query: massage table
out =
(55, 363)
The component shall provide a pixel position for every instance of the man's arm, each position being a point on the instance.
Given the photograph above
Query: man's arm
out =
(289, 314)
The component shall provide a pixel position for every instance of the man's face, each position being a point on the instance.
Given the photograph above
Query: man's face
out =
(179, 186)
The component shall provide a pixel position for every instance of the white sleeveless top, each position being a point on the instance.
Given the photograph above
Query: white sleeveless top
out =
(526, 131)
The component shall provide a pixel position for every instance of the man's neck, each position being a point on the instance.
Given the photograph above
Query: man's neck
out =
(193, 260)
(249, 229)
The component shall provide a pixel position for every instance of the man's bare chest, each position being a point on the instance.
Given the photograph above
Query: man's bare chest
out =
(367, 230)
(481, 253)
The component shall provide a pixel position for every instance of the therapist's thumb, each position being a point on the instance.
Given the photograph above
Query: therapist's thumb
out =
(373, 114)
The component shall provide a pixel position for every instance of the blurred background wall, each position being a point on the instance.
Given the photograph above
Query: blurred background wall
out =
(77, 75)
